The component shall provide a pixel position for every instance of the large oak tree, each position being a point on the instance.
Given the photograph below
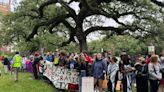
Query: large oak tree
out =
(144, 13)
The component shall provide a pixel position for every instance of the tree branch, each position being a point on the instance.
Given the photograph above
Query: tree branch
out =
(68, 26)
(52, 26)
(69, 9)
(71, 39)
(96, 28)
(158, 3)
(49, 2)
(46, 23)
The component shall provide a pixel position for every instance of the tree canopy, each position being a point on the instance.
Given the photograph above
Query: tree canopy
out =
(32, 19)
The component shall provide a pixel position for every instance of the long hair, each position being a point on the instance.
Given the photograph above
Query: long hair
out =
(125, 58)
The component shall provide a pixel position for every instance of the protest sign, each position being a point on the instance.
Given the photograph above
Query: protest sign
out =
(151, 49)
(61, 76)
(87, 84)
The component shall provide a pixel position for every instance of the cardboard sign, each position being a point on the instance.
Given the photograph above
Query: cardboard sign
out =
(87, 84)
(61, 76)
(151, 48)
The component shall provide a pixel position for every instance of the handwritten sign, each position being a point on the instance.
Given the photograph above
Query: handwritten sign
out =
(87, 84)
(61, 76)
(151, 48)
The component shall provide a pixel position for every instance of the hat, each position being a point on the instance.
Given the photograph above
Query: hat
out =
(36, 54)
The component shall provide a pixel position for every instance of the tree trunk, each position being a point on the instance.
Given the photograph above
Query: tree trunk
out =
(83, 45)
(82, 40)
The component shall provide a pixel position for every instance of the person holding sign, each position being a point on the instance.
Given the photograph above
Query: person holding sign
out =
(99, 70)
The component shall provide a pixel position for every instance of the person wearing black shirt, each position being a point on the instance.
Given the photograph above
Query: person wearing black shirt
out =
(141, 75)
(82, 70)
(34, 65)
(6, 63)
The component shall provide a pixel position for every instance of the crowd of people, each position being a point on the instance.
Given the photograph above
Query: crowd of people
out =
(146, 71)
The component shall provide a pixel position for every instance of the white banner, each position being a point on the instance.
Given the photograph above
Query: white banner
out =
(61, 76)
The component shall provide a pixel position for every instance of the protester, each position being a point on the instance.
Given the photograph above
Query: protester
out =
(148, 59)
(98, 67)
(35, 65)
(42, 67)
(24, 68)
(72, 63)
(62, 59)
(89, 63)
(99, 70)
(87, 58)
(141, 75)
(127, 70)
(56, 59)
(154, 73)
(6, 63)
(161, 86)
(82, 70)
(29, 65)
(113, 74)
(1, 65)
(17, 60)
(49, 57)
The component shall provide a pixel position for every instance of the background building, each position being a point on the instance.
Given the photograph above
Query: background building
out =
(5, 6)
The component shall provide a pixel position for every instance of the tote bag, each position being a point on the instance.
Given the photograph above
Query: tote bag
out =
(105, 83)
(118, 86)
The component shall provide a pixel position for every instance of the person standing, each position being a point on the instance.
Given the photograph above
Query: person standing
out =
(82, 70)
(99, 70)
(113, 74)
(17, 61)
(6, 64)
(35, 65)
(141, 75)
(161, 86)
(24, 67)
(1, 65)
(154, 73)
(62, 59)
(126, 68)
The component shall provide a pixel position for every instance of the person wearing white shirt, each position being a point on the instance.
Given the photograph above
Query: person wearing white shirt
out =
(113, 74)
(154, 73)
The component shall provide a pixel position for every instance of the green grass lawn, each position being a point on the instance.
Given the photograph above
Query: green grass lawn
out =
(25, 84)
